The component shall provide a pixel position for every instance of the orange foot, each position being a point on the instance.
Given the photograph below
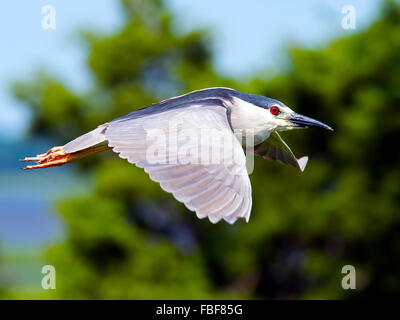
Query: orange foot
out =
(54, 157)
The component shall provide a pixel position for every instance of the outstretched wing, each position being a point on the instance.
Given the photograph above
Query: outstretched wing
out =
(193, 154)
(274, 148)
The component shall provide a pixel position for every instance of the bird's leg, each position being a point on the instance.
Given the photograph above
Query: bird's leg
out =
(54, 157)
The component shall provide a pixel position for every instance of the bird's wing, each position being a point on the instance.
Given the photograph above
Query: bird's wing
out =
(193, 154)
(274, 148)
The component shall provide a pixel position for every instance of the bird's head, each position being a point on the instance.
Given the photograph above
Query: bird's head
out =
(280, 117)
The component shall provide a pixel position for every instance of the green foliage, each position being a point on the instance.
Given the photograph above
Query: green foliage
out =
(131, 240)
(105, 257)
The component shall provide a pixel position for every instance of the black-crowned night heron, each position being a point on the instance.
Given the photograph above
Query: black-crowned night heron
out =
(193, 146)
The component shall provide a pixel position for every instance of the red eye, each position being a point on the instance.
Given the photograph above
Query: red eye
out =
(274, 110)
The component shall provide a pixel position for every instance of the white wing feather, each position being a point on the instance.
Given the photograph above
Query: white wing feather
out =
(218, 189)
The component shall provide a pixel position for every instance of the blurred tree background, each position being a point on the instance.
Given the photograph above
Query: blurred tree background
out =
(129, 239)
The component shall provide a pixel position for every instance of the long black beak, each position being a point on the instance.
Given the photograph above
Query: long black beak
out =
(299, 120)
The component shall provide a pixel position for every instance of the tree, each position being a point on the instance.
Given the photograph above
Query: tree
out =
(129, 239)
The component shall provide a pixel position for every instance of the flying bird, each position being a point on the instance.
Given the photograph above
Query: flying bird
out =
(218, 123)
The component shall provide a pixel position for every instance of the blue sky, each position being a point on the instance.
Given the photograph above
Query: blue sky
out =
(249, 35)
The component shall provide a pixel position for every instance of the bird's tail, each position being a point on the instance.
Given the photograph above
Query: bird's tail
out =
(87, 144)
